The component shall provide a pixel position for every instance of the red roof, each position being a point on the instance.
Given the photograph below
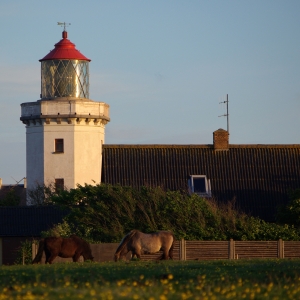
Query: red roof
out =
(65, 49)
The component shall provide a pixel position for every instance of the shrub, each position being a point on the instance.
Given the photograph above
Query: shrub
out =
(42, 194)
(105, 213)
(10, 199)
(24, 253)
(290, 214)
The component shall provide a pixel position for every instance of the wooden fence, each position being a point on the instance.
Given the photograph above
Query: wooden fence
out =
(205, 250)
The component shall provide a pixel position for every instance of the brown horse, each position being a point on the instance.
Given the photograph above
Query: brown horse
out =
(63, 247)
(142, 243)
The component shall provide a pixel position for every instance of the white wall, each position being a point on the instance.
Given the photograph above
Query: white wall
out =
(59, 165)
(34, 155)
(49, 120)
(81, 161)
(88, 153)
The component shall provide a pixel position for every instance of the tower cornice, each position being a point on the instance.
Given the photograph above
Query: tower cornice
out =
(64, 111)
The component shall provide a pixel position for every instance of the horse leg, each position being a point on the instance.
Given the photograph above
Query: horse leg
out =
(50, 259)
(136, 253)
(76, 256)
(165, 255)
(48, 255)
(171, 249)
(171, 252)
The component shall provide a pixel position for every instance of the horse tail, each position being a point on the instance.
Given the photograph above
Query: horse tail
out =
(172, 247)
(124, 241)
(39, 254)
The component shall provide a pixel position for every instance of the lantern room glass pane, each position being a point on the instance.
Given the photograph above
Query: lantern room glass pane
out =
(65, 78)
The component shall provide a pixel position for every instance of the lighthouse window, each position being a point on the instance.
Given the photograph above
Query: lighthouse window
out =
(59, 146)
(59, 184)
(65, 78)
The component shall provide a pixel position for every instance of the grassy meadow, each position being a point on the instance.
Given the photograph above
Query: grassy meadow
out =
(226, 279)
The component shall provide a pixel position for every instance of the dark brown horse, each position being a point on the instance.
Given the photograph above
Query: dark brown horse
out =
(146, 243)
(63, 247)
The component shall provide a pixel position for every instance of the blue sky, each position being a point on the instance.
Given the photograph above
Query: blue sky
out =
(162, 66)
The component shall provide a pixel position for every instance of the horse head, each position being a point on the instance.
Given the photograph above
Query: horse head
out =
(121, 255)
(88, 256)
(117, 256)
(123, 249)
(87, 253)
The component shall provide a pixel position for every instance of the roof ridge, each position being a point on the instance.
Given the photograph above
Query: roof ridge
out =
(200, 146)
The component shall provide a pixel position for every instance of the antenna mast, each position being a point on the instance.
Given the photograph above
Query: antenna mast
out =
(227, 113)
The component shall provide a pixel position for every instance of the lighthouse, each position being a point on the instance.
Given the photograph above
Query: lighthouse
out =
(64, 129)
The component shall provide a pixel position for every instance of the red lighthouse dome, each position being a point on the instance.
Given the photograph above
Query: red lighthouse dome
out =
(64, 72)
(64, 49)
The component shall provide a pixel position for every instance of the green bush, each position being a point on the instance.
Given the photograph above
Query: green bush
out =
(59, 230)
(105, 213)
(24, 253)
(10, 199)
(290, 214)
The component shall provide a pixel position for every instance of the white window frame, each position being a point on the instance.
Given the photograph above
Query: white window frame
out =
(207, 185)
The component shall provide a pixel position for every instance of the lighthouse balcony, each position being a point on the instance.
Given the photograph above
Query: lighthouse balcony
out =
(67, 110)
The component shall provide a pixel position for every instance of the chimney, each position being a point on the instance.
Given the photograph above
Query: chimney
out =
(25, 183)
(221, 140)
(0, 183)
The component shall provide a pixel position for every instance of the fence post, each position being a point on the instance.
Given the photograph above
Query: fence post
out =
(182, 250)
(280, 248)
(231, 249)
(34, 250)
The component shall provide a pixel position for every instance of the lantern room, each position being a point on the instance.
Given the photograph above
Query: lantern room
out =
(64, 72)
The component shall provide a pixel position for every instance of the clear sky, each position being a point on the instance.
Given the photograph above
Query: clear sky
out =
(162, 66)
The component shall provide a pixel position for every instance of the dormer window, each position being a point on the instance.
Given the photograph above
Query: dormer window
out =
(200, 185)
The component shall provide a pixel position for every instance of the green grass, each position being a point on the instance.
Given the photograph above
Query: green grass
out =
(226, 279)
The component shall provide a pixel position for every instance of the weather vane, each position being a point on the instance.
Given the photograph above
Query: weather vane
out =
(63, 24)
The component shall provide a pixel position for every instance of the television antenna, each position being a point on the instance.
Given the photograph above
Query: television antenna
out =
(227, 113)
(17, 182)
(63, 24)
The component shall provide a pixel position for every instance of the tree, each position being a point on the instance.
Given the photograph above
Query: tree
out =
(42, 194)
(10, 198)
(105, 213)
(290, 214)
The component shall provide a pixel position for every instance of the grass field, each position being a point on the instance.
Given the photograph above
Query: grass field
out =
(226, 279)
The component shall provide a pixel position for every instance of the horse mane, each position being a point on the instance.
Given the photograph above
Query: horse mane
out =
(125, 240)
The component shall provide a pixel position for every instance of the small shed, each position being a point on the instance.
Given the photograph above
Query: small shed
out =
(21, 223)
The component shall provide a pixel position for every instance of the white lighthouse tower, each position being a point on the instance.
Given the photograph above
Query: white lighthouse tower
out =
(64, 129)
